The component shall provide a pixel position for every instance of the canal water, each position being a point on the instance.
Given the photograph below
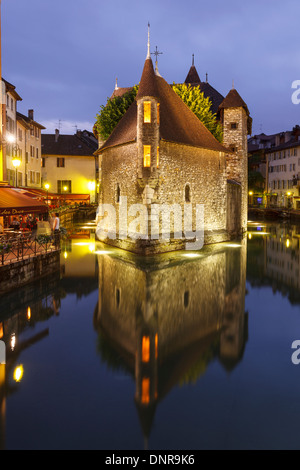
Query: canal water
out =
(181, 351)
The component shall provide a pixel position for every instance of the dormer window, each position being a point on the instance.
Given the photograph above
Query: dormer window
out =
(147, 156)
(147, 111)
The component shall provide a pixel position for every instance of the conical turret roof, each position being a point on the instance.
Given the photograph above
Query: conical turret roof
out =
(192, 77)
(234, 100)
(177, 122)
(147, 86)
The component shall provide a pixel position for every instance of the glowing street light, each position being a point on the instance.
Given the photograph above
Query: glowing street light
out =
(18, 373)
(16, 163)
(47, 186)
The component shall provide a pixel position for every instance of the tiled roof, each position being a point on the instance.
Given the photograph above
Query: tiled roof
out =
(233, 100)
(177, 122)
(67, 145)
(120, 91)
(293, 142)
(12, 89)
(148, 86)
(209, 92)
(215, 97)
(28, 121)
(192, 77)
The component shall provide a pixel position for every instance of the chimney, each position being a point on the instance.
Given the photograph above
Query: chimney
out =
(30, 114)
(296, 132)
(56, 135)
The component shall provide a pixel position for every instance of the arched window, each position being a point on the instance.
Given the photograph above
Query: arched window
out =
(187, 193)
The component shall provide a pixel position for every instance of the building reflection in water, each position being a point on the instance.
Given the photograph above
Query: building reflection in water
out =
(23, 310)
(273, 258)
(165, 320)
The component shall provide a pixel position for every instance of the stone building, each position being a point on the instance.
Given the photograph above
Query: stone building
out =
(165, 180)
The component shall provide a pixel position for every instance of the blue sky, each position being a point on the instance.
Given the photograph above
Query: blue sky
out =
(63, 56)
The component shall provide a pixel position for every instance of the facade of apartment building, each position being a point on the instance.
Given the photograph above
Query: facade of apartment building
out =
(21, 140)
(69, 165)
(29, 150)
(283, 176)
(10, 99)
(277, 158)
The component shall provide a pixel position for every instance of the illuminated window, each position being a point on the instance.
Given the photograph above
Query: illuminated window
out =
(147, 111)
(64, 186)
(156, 346)
(157, 158)
(158, 114)
(145, 349)
(147, 156)
(145, 391)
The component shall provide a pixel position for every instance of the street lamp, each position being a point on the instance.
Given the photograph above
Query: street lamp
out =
(16, 163)
(47, 186)
(92, 187)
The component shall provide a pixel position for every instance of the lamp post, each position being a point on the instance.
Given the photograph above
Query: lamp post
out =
(92, 188)
(65, 188)
(47, 186)
(250, 197)
(16, 163)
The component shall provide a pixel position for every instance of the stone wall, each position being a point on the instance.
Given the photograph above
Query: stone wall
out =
(15, 275)
(202, 170)
(233, 208)
(237, 162)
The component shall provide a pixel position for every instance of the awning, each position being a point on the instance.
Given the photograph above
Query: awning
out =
(74, 197)
(13, 202)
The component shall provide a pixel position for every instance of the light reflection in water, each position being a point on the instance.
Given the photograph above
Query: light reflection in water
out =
(164, 321)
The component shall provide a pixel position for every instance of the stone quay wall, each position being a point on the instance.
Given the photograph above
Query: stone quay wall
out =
(20, 273)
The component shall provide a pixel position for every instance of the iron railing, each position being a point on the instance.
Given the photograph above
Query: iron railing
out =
(24, 246)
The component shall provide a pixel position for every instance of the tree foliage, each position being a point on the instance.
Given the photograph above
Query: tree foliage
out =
(111, 113)
(194, 98)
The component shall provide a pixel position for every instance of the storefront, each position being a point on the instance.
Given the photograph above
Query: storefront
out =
(19, 211)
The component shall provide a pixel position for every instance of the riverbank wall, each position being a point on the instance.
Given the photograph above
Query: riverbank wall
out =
(17, 274)
(274, 214)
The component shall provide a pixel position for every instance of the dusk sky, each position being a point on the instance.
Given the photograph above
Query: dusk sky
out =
(63, 56)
